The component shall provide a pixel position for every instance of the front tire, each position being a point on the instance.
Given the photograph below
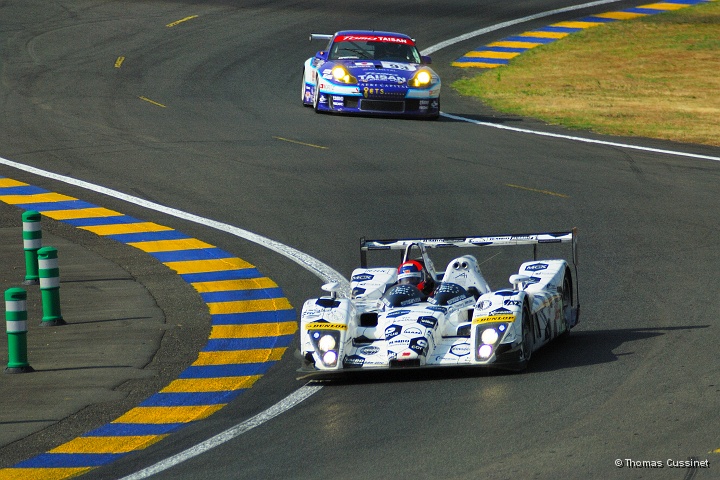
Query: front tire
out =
(435, 116)
(302, 91)
(316, 97)
(528, 338)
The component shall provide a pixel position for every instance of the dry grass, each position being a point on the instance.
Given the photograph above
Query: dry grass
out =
(657, 77)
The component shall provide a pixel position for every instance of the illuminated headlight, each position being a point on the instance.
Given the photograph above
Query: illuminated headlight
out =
(340, 74)
(422, 79)
(485, 351)
(489, 336)
(326, 343)
(330, 358)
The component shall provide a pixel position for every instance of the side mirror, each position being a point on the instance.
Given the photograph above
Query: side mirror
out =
(322, 55)
(426, 59)
(517, 280)
(333, 288)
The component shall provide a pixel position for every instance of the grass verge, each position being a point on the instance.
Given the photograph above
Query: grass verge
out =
(656, 76)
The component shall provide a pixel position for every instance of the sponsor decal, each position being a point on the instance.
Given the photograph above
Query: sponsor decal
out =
(536, 266)
(437, 308)
(373, 38)
(369, 350)
(420, 345)
(325, 326)
(397, 313)
(460, 350)
(398, 66)
(494, 318)
(353, 361)
(512, 303)
(484, 305)
(313, 312)
(362, 277)
(381, 77)
(392, 331)
(427, 322)
(412, 331)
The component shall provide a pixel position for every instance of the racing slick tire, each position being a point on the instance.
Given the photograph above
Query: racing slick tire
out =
(567, 302)
(528, 337)
(435, 116)
(302, 91)
(316, 97)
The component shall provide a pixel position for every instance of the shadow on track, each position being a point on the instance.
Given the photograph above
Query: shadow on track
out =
(579, 349)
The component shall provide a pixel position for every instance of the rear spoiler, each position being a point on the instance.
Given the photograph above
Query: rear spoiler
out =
(533, 239)
(320, 36)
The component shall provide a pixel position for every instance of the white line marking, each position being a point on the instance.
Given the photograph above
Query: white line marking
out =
(312, 264)
(581, 139)
(282, 406)
(510, 23)
(318, 268)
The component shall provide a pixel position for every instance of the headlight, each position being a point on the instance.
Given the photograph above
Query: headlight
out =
(489, 336)
(340, 74)
(484, 352)
(421, 79)
(326, 343)
(330, 358)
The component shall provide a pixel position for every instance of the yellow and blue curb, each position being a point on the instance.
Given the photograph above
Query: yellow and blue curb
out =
(252, 324)
(501, 52)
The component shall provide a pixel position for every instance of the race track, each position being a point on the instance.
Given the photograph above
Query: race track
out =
(204, 115)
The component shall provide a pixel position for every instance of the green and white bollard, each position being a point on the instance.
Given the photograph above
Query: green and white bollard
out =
(16, 326)
(32, 242)
(50, 287)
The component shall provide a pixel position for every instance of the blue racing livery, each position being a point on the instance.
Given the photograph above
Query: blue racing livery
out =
(371, 72)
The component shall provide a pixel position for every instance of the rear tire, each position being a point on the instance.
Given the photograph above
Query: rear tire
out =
(567, 302)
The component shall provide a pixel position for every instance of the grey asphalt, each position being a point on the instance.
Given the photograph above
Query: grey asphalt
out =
(132, 326)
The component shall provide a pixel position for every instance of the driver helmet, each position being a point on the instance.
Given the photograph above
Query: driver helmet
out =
(412, 272)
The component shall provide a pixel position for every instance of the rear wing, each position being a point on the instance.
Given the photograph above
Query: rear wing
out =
(320, 36)
(533, 239)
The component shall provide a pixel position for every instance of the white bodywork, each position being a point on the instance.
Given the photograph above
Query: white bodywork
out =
(480, 327)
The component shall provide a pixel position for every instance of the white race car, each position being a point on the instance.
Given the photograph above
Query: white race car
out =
(412, 316)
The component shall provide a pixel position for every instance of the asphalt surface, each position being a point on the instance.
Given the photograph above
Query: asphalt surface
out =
(637, 380)
(128, 332)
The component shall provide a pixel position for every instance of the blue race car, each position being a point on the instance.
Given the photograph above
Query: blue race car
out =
(369, 72)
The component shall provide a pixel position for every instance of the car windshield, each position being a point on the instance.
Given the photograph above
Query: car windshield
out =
(385, 51)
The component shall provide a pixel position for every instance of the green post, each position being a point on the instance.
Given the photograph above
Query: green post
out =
(16, 327)
(50, 287)
(32, 241)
